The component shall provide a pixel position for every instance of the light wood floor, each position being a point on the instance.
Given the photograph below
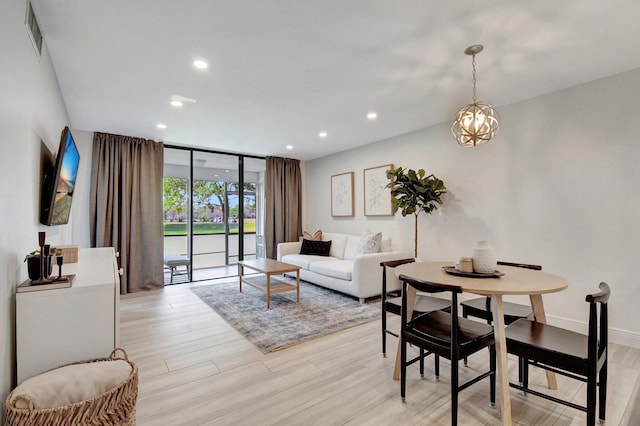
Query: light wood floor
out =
(196, 370)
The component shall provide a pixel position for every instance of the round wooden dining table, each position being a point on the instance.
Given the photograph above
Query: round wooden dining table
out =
(515, 281)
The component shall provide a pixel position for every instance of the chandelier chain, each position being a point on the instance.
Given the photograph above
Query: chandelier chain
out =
(473, 63)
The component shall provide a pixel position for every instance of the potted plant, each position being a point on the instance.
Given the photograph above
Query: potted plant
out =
(414, 192)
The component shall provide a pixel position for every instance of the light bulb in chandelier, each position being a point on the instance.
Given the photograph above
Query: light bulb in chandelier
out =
(478, 122)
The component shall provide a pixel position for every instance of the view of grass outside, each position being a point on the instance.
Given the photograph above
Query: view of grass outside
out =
(210, 201)
(202, 228)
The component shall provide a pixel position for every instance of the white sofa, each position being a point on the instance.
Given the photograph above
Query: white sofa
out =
(344, 271)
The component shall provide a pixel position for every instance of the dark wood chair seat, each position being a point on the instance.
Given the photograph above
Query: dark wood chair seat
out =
(568, 353)
(480, 307)
(445, 334)
(423, 305)
(435, 328)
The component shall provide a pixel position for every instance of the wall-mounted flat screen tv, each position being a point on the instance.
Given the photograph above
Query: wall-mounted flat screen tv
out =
(60, 183)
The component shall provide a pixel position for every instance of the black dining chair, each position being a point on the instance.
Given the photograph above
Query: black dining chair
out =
(447, 335)
(567, 353)
(480, 307)
(393, 305)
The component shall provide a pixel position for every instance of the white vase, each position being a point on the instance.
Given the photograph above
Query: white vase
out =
(484, 258)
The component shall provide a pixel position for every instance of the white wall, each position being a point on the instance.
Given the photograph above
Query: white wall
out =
(31, 110)
(557, 187)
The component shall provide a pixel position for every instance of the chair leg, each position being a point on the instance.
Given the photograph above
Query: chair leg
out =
(384, 332)
(403, 367)
(602, 383)
(591, 399)
(492, 378)
(465, 315)
(454, 392)
(421, 363)
(523, 373)
(436, 366)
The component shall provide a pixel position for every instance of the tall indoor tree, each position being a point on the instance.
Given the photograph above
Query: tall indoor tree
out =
(414, 192)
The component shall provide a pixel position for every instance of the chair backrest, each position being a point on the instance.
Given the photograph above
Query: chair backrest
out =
(517, 265)
(521, 265)
(598, 341)
(391, 264)
(428, 287)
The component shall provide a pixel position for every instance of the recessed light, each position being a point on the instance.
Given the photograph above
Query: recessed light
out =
(202, 65)
(372, 116)
(226, 171)
(176, 104)
(289, 147)
(323, 134)
(161, 126)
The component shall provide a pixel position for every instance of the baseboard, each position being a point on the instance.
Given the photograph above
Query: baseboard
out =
(616, 335)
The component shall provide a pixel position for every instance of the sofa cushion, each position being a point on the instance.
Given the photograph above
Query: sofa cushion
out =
(315, 248)
(338, 244)
(316, 236)
(304, 260)
(340, 269)
(385, 244)
(369, 243)
(351, 247)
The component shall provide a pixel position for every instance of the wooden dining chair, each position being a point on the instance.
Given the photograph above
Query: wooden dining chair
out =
(447, 335)
(567, 353)
(393, 305)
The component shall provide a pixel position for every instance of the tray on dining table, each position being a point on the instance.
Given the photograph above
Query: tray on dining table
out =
(453, 271)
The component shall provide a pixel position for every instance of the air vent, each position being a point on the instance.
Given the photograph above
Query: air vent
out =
(33, 29)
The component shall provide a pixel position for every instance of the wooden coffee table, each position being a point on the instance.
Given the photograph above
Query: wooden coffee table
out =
(266, 282)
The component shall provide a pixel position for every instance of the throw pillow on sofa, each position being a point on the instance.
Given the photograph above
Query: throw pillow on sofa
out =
(317, 248)
(316, 236)
(369, 243)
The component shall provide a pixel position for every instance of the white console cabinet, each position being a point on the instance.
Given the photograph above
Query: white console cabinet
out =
(60, 326)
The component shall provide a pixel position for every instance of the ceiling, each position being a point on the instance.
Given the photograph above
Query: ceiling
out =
(281, 71)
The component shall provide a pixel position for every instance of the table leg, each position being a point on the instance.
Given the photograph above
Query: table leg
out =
(240, 276)
(538, 311)
(497, 311)
(411, 299)
(298, 285)
(268, 290)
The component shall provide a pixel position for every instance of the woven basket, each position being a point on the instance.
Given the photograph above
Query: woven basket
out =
(114, 407)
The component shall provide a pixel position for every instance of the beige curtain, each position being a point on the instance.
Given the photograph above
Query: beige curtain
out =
(283, 202)
(126, 206)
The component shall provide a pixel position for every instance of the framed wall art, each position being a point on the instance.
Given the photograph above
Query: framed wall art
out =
(377, 198)
(342, 195)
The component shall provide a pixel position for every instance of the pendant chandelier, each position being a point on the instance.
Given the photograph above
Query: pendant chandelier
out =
(478, 122)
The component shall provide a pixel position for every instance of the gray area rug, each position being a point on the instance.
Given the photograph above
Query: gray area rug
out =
(320, 312)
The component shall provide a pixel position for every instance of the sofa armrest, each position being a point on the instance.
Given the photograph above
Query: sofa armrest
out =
(288, 248)
(367, 272)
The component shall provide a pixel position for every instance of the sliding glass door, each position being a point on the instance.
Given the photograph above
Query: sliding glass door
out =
(213, 212)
